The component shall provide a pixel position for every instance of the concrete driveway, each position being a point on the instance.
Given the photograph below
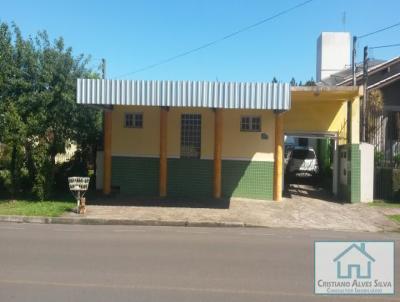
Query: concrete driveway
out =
(295, 212)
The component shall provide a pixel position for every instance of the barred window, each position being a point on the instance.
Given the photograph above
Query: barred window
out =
(250, 123)
(190, 135)
(133, 120)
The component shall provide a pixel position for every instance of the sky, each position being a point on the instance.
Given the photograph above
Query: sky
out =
(133, 34)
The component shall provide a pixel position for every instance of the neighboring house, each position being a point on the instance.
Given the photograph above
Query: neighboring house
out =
(197, 139)
(385, 76)
(354, 262)
(382, 124)
(68, 154)
(60, 157)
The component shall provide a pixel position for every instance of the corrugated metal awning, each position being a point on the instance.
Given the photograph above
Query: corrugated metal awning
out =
(233, 95)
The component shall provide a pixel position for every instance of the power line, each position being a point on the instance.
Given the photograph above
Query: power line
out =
(378, 31)
(211, 43)
(385, 46)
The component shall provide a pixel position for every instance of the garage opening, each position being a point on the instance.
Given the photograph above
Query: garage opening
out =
(311, 166)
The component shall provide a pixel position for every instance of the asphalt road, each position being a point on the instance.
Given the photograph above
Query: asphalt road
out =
(127, 263)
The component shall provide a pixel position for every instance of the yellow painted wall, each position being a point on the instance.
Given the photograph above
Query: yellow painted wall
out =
(305, 116)
(355, 121)
(207, 131)
(236, 144)
(136, 141)
(145, 141)
(248, 145)
(317, 116)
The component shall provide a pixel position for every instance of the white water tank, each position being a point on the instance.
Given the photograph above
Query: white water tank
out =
(333, 53)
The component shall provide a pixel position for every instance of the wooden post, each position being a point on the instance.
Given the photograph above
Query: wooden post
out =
(163, 151)
(107, 152)
(217, 152)
(278, 169)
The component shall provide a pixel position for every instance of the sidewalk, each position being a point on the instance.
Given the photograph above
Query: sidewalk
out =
(304, 212)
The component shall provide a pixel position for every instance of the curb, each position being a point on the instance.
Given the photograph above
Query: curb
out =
(102, 221)
(181, 223)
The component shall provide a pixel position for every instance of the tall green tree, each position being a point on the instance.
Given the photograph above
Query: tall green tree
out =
(39, 114)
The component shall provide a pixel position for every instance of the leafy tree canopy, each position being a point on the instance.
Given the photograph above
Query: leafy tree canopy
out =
(39, 116)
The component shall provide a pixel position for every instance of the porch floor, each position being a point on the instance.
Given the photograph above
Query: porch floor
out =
(296, 212)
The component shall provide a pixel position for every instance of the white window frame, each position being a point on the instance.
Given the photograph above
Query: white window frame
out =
(184, 140)
(133, 126)
(251, 121)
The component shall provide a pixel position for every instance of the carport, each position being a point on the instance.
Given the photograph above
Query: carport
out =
(318, 138)
(330, 113)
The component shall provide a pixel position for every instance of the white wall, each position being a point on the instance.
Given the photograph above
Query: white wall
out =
(69, 153)
(367, 172)
(333, 53)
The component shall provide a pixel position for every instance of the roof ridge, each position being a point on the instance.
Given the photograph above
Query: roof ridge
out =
(353, 245)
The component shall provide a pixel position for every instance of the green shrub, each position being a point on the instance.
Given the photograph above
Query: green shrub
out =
(396, 160)
(5, 182)
(75, 167)
(396, 184)
(39, 116)
(378, 158)
(387, 184)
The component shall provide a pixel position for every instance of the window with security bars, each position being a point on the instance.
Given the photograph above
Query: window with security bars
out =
(250, 123)
(133, 120)
(190, 135)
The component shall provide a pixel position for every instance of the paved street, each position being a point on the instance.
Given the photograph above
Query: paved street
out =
(127, 263)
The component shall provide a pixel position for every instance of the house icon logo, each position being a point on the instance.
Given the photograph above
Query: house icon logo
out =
(354, 267)
(354, 263)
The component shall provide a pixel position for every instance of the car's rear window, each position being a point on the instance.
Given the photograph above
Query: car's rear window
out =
(302, 154)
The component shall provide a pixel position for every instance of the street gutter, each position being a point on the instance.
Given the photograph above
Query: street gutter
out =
(102, 221)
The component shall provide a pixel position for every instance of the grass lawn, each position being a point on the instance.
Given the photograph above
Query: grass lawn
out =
(395, 218)
(36, 208)
(384, 203)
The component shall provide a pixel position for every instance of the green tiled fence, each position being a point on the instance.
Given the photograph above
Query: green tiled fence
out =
(351, 191)
(355, 170)
(250, 179)
(135, 175)
(193, 177)
(190, 177)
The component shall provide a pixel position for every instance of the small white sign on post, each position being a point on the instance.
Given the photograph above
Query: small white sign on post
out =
(78, 187)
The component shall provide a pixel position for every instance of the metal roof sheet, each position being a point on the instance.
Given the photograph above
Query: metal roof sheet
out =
(232, 95)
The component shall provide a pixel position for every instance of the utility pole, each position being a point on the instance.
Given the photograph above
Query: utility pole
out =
(354, 69)
(103, 69)
(353, 61)
(106, 141)
(365, 98)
